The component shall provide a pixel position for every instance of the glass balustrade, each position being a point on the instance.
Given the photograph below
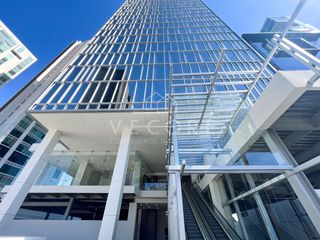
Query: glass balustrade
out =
(65, 168)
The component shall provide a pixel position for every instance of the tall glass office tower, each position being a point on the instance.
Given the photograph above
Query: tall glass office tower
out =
(158, 129)
(127, 64)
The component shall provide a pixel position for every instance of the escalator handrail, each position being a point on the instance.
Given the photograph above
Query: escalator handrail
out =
(203, 226)
(228, 229)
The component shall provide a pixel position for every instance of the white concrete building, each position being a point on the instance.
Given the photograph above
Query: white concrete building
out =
(14, 56)
(18, 131)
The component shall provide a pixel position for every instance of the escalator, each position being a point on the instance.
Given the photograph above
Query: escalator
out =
(193, 231)
(202, 220)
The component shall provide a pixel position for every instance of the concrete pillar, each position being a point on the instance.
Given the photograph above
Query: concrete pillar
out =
(299, 182)
(180, 213)
(175, 207)
(18, 191)
(109, 223)
(171, 222)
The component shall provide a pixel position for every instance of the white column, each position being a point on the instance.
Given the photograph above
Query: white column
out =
(109, 223)
(181, 226)
(25, 180)
(175, 208)
(299, 182)
(172, 216)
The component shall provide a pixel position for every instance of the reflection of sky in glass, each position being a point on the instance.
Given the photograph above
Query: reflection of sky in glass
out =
(260, 158)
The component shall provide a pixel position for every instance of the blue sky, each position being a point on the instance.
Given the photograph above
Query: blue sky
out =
(47, 27)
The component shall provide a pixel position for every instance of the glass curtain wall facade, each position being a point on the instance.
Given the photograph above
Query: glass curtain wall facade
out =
(14, 148)
(126, 65)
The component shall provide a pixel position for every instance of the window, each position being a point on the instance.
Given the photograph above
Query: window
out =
(30, 140)
(159, 72)
(135, 72)
(82, 89)
(101, 74)
(174, 57)
(70, 93)
(190, 57)
(205, 57)
(90, 92)
(4, 78)
(18, 158)
(60, 93)
(74, 73)
(100, 92)
(3, 150)
(159, 57)
(10, 170)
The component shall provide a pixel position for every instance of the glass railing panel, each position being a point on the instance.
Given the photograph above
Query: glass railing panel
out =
(78, 168)
(154, 182)
(96, 168)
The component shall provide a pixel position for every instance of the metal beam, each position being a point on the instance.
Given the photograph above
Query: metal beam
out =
(175, 142)
(208, 84)
(232, 169)
(218, 93)
(190, 150)
(313, 162)
(215, 73)
(212, 85)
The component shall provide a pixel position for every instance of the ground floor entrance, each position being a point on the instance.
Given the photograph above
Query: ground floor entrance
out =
(152, 222)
